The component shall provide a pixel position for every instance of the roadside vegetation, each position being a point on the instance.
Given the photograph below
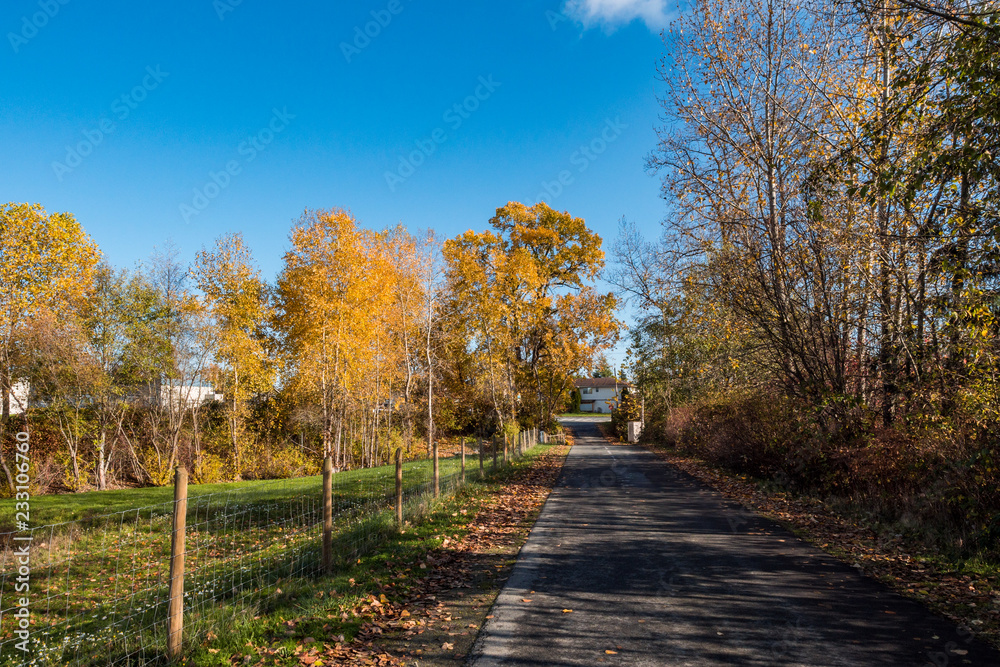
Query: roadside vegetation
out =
(365, 342)
(254, 576)
(820, 312)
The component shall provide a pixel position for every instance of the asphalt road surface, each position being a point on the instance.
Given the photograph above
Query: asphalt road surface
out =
(658, 569)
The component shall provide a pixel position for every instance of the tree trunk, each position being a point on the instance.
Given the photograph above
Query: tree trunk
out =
(102, 477)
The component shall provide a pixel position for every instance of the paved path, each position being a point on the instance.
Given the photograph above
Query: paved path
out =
(665, 571)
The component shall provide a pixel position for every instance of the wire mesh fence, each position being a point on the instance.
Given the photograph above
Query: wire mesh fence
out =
(98, 590)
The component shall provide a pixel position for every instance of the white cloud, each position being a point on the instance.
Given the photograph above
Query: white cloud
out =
(617, 12)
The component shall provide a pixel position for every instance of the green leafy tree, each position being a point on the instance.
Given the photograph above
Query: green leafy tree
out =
(628, 410)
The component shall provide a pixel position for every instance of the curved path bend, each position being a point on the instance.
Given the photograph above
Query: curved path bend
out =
(654, 568)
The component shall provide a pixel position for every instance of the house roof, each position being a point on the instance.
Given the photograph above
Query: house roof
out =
(601, 382)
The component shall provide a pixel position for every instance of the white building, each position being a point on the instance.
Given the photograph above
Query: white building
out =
(599, 394)
(183, 394)
(161, 392)
(19, 398)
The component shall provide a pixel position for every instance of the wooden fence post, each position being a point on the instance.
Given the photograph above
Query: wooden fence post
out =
(481, 458)
(328, 514)
(399, 488)
(495, 448)
(506, 452)
(463, 459)
(175, 611)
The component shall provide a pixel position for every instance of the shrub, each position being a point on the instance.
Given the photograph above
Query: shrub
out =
(212, 469)
(627, 411)
(574, 400)
(939, 484)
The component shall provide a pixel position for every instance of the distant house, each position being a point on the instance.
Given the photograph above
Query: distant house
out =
(599, 394)
(159, 393)
(179, 394)
(19, 397)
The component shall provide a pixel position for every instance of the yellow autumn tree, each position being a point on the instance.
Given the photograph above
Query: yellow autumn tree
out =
(335, 294)
(238, 301)
(520, 293)
(46, 264)
(405, 318)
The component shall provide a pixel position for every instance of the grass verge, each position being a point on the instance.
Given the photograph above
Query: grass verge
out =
(95, 505)
(99, 583)
(420, 596)
(252, 565)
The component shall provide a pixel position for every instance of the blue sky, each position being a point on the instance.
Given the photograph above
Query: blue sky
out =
(179, 122)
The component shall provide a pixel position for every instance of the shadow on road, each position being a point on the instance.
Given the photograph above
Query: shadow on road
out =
(658, 569)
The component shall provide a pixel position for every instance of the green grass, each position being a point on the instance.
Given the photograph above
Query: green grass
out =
(391, 569)
(102, 579)
(93, 505)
